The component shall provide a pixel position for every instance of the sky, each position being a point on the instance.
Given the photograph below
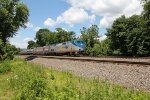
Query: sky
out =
(72, 15)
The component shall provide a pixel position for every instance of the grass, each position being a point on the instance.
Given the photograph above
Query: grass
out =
(34, 82)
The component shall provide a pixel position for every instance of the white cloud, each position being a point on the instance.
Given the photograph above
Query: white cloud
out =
(109, 10)
(17, 36)
(29, 25)
(49, 22)
(36, 29)
(26, 39)
(134, 7)
(102, 38)
(65, 29)
(107, 21)
(92, 18)
(73, 16)
(21, 44)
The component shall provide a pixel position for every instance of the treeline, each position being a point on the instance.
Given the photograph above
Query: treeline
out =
(46, 37)
(90, 35)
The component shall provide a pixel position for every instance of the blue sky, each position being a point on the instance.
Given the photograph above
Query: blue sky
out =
(72, 15)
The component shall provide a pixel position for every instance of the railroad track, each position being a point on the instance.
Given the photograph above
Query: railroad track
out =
(95, 59)
(121, 57)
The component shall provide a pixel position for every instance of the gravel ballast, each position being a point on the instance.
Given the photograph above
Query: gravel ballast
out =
(109, 58)
(135, 76)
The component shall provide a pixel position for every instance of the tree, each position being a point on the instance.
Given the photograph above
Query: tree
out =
(90, 35)
(31, 44)
(130, 36)
(101, 48)
(42, 37)
(64, 35)
(117, 35)
(13, 15)
(134, 33)
(47, 37)
(125, 35)
(145, 37)
(52, 38)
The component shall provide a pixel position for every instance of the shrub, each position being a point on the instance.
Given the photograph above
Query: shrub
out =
(5, 67)
(100, 49)
(29, 82)
(7, 51)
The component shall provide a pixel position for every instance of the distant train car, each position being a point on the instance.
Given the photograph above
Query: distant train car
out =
(23, 52)
(26, 52)
(46, 50)
(29, 51)
(69, 47)
(39, 51)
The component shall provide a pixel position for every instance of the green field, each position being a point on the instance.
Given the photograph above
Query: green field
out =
(22, 80)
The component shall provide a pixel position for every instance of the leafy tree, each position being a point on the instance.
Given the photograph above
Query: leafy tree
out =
(31, 44)
(13, 15)
(46, 37)
(100, 49)
(117, 35)
(130, 36)
(125, 35)
(145, 37)
(90, 36)
(133, 34)
(64, 35)
(42, 37)
(52, 38)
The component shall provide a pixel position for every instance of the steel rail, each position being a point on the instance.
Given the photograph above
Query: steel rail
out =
(95, 60)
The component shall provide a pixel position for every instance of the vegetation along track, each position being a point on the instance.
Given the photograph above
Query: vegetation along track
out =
(118, 60)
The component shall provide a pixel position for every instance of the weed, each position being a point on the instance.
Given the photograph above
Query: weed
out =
(5, 67)
(34, 82)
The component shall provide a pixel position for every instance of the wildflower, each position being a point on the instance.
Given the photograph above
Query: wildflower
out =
(16, 77)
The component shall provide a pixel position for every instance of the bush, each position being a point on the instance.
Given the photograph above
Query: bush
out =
(100, 49)
(29, 81)
(7, 51)
(5, 67)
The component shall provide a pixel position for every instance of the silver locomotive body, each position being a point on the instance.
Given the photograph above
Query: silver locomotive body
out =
(69, 47)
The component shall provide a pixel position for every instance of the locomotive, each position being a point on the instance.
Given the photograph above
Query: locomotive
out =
(70, 47)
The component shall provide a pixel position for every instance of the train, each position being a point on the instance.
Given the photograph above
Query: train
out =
(74, 47)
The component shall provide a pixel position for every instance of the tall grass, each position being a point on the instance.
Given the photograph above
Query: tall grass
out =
(5, 66)
(35, 82)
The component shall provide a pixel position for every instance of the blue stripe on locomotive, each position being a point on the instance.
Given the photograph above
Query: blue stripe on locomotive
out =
(79, 43)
